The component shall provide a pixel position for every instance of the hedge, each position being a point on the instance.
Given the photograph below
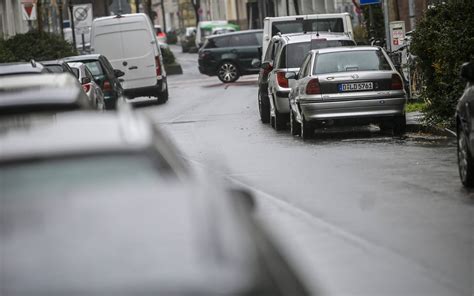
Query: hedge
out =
(34, 45)
(443, 41)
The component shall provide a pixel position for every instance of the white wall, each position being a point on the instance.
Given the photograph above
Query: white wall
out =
(11, 19)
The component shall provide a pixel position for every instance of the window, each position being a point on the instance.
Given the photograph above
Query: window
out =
(326, 25)
(94, 67)
(323, 43)
(239, 40)
(363, 60)
(304, 71)
(311, 25)
(218, 42)
(270, 54)
(285, 27)
(75, 71)
(296, 53)
(55, 68)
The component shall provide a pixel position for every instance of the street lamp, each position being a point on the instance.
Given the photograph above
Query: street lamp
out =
(61, 25)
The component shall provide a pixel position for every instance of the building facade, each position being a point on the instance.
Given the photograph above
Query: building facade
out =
(11, 19)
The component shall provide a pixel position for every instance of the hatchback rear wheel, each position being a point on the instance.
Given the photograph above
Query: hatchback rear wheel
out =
(263, 108)
(228, 72)
(399, 126)
(295, 127)
(306, 130)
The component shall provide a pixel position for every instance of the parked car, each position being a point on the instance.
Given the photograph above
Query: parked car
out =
(172, 36)
(129, 42)
(331, 22)
(90, 87)
(188, 38)
(104, 75)
(160, 35)
(47, 93)
(230, 56)
(288, 53)
(22, 68)
(204, 29)
(104, 205)
(58, 66)
(346, 85)
(465, 127)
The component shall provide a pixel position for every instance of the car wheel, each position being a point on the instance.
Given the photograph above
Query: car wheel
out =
(280, 121)
(295, 127)
(228, 72)
(399, 126)
(465, 161)
(306, 130)
(162, 96)
(263, 108)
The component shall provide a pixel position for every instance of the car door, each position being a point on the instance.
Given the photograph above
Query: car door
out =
(298, 89)
(245, 46)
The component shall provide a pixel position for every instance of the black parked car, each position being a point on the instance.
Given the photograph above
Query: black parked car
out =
(104, 75)
(230, 56)
(465, 127)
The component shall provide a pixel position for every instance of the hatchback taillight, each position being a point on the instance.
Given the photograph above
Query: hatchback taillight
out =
(158, 66)
(86, 87)
(281, 79)
(313, 87)
(106, 86)
(396, 82)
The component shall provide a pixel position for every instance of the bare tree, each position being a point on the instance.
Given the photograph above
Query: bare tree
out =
(196, 5)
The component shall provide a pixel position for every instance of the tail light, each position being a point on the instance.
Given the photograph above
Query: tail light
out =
(106, 86)
(161, 34)
(281, 79)
(158, 66)
(86, 87)
(313, 88)
(396, 82)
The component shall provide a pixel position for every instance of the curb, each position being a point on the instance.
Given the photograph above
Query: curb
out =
(173, 69)
(419, 128)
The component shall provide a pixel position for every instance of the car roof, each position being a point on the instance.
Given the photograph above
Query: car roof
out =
(346, 48)
(86, 57)
(305, 37)
(21, 68)
(235, 33)
(74, 133)
(52, 62)
(30, 93)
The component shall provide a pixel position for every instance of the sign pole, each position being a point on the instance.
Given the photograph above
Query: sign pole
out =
(71, 11)
(387, 27)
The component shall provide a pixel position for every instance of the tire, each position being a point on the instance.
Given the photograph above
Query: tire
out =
(228, 72)
(162, 96)
(399, 126)
(263, 108)
(280, 121)
(465, 160)
(295, 127)
(306, 130)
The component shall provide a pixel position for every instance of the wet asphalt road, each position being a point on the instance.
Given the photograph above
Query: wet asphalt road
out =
(359, 212)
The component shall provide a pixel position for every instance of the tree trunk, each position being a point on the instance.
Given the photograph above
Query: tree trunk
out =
(196, 5)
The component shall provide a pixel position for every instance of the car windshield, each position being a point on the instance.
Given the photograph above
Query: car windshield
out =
(75, 71)
(59, 177)
(346, 61)
(55, 68)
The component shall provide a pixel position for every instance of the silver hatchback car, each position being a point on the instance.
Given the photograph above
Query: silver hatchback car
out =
(348, 85)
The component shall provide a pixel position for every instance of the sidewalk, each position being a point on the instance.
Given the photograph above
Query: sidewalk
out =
(415, 125)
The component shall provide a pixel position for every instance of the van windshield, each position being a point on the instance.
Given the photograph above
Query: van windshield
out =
(335, 25)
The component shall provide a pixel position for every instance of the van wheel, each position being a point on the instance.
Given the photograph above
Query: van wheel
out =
(228, 72)
(295, 126)
(162, 96)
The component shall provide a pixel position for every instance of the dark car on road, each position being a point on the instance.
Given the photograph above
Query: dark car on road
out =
(104, 75)
(465, 127)
(230, 56)
(58, 66)
(101, 204)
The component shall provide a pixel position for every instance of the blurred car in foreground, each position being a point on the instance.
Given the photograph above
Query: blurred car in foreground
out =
(230, 56)
(465, 127)
(346, 85)
(86, 79)
(105, 76)
(22, 68)
(103, 204)
(288, 52)
(58, 66)
(50, 93)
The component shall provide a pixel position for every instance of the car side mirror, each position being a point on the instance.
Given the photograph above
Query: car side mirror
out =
(467, 71)
(118, 73)
(256, 63)
(291, 75)
(85, 80)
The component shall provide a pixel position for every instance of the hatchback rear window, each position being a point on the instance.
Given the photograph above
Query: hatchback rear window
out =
(363, 60)
(94, 67)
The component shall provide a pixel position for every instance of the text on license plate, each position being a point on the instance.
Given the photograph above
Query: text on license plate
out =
(356, 86)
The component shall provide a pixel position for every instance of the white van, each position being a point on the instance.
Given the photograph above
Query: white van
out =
(331, 22)
(129, 43)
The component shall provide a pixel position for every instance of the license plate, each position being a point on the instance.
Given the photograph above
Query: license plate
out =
(356, 86)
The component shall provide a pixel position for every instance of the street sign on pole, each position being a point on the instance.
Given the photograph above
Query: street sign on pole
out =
(368, 2)
(28, 11)
(82, 15)
(397, 34)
